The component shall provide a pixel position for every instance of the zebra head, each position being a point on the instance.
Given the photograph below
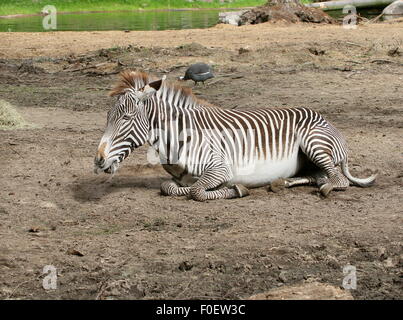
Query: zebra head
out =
(127, 127)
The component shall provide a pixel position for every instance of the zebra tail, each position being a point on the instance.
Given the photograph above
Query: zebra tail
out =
(365, 182)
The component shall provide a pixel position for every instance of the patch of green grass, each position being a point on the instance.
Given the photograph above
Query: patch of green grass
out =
(9, 7)
(9, 117)
(307, 1)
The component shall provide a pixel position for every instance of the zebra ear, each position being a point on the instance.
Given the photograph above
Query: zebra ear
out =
(150, 88)
(156, 84)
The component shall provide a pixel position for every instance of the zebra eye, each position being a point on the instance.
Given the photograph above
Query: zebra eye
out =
(126, 117)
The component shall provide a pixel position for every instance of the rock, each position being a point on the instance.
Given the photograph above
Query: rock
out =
(389, 263)
(395, 8)
(305, 291)
(243, 50)
(316, 51)
(74, 252)
(231, 17)
(332, 262)
(282, 276)
(185, 266)
(48, 205)
(382, 254)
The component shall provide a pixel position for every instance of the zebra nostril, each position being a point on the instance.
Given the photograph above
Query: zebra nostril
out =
(99, 161)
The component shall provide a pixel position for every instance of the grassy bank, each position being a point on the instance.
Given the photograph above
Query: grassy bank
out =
(10, 7)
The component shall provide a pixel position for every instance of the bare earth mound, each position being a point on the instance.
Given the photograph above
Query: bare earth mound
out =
(284, 11)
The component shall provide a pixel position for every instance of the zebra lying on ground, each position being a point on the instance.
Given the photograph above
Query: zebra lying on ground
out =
(214, 153)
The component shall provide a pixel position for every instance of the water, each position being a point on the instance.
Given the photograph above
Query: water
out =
(146, 20)
(135, 20)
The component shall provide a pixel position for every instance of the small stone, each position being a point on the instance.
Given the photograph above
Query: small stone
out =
(185, 266)
(382, 253)
(48, 205)
(243, 50)
(316, 51)
(74, 252)
(388, 263)
(282, 276)
(332, 262)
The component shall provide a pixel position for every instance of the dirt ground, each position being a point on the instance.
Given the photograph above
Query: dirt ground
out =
(119, 238)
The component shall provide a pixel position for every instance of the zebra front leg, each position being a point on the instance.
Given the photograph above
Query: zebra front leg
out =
(171, 188)
(213, 178)
(201, 194)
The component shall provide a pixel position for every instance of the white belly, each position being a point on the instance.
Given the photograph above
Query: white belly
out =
(262, 172)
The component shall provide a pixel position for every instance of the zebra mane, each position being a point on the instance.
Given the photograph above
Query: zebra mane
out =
(131, 80)
(170, 91)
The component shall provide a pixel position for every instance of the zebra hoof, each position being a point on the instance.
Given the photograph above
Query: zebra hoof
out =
(277, 185)
(241, 190)
(325, 189)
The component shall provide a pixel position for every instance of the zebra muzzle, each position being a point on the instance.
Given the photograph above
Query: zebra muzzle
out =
(112, 168)
(98, 164)
(101, 166)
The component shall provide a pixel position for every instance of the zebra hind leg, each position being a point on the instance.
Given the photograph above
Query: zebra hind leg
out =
(334, 180)
(171, 188)
(325, 147)
(329, 178)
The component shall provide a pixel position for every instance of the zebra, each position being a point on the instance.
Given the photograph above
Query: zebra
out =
(215, 153)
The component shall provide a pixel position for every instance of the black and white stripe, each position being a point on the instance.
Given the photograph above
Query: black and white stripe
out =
(216, 153)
